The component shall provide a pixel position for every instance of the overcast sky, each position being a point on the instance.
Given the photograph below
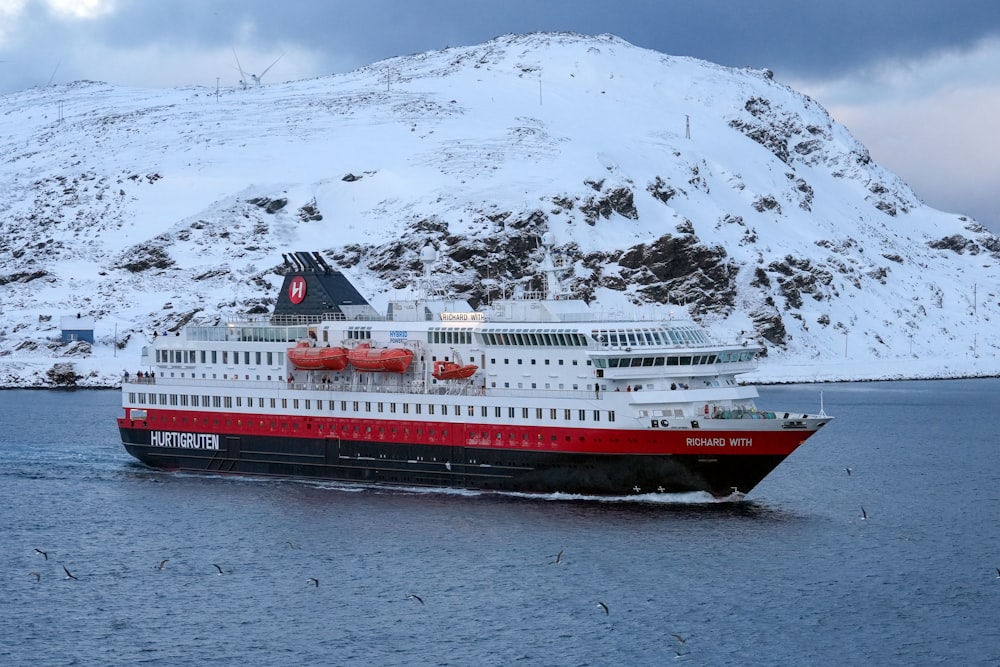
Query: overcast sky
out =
(917, 81)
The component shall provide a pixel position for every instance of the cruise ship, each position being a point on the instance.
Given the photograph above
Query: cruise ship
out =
(539, 393)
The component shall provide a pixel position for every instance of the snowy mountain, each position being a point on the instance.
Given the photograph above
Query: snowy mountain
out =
(664, 180)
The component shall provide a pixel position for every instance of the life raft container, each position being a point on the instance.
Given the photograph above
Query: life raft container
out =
(308, 358)
(391, 360)
(449, 370)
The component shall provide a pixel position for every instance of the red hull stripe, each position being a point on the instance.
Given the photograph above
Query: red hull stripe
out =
(703, 441)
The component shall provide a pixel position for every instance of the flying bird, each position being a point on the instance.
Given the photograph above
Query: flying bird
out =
(998, 573)
(679, 638)
(43, 553)
(558, 558)
(848, 469)
(69, 575)
(604, 607)
(314, 581)
(217, 568)
(162, 563)
(37, 576)
(415, 597)
(678, 655)
(864, 514)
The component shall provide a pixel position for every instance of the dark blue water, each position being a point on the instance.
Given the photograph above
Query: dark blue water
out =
(793, 576)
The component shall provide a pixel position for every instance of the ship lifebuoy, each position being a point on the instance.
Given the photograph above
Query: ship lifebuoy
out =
(706, 408)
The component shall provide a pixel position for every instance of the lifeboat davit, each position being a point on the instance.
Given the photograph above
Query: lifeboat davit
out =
(392, 360)
(308, 358)
(449, 370)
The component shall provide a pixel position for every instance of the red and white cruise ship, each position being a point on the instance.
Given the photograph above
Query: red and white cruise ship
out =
(538, 394)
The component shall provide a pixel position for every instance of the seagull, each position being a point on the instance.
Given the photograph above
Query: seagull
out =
(604, 607)
(43, 553)
(162, 564)
(37, 576)
(415, 597)
(679, 638)
(217, 568)
(558, 558)
(864, 514)
(69, 575)
(314, 581)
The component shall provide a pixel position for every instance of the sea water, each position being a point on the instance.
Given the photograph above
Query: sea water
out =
(328, 574)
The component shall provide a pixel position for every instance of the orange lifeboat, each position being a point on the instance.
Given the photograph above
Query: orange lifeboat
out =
(392, 360)
(308, 358)
(449, 370)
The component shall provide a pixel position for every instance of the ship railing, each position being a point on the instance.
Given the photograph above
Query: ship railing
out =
(292, 320)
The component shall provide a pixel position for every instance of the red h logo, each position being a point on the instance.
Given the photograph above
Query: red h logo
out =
(297, 290)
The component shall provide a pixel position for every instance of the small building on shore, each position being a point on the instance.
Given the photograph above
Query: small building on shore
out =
(77, 327)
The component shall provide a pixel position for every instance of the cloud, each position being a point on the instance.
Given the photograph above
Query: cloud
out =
(80, 9)
(930, 120)
(10, 12)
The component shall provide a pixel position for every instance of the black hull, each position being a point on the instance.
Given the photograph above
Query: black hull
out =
(398, 464)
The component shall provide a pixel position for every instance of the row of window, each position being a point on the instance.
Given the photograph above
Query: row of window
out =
(659, 337)
(246, 334)
(449, 336)
(369, 407)
(190, 356)
(680, 360)
(642, 362)
(550, 338)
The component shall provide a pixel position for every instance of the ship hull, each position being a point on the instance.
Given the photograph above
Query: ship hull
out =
(450, 466)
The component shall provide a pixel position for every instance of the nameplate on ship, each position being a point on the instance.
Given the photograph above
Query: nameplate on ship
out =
(184, 440)
(463, 317)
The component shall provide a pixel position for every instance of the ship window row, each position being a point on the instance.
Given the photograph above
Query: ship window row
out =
(252, 334)
(359, 333)
(729, 356)
(235, 358)
(377, 407)
(644, 362)
(686, 336)
(538, 338)
(449, 336)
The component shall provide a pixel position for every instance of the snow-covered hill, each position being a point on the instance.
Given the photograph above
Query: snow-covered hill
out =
(664, 179)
